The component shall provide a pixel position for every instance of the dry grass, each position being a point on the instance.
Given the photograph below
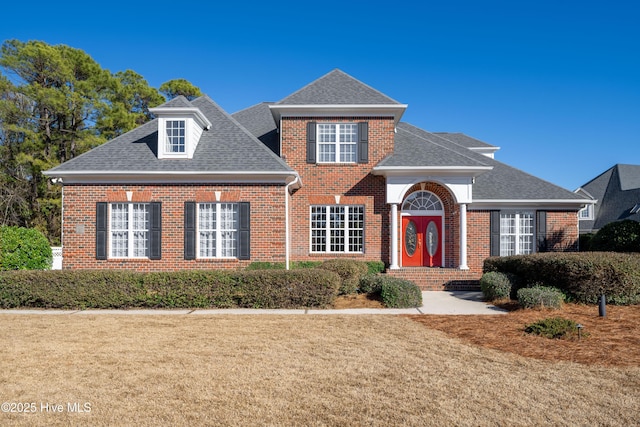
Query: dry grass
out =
(291, 370)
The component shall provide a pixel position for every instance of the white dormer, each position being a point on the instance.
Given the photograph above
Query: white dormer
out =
(179, 130)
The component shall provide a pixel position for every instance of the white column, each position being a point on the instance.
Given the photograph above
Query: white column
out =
(394, 237)
(463, 237)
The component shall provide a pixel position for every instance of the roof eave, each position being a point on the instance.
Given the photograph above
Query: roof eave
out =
(356, 110)
(172, 177)
(550, 204)
(468, 171)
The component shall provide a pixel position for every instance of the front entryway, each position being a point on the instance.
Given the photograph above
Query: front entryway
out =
(422, 238)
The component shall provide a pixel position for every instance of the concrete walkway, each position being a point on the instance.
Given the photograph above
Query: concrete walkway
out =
(433, 302)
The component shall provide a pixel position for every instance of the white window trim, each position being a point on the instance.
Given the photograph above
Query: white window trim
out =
(327, 230)
(517, 233)
(589, 216)
(188, 138)
(337, 142)
(219, 247)
(130, 231)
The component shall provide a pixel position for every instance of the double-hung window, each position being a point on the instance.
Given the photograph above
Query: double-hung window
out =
(129, 230)
(337, 142)
(217, 230)
(175, 136)
(516, 233)
(337, 229)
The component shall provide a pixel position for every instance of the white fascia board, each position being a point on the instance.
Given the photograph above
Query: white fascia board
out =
(468, 171)
(356, 110)
(182, 112)
(548, 204)
(173, 177)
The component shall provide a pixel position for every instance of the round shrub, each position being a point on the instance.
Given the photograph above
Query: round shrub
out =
(540, 296)
(553, 327)
(619, 236)
(24, 249)
(495, 285)
(371, 284)
(350, 271)
(400, 293)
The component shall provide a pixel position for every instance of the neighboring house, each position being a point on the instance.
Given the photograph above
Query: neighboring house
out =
(617, 196)
(329, 171)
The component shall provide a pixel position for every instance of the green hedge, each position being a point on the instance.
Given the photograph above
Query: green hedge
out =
(581, 276)
(350, 271)
(539, 297)
(495, 285)
(24, 249)
(80, 289)
(400, 293)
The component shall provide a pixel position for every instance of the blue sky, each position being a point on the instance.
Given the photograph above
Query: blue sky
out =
(555, 84)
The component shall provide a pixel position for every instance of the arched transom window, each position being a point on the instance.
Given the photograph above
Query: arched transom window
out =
(422, 201)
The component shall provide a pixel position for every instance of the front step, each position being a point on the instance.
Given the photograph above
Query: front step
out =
(439, 279)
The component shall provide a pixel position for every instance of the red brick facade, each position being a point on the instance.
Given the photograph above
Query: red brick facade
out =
(322, 184)
(353, 183)
(79, 230)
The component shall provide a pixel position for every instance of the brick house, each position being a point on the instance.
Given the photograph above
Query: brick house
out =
(329, 171)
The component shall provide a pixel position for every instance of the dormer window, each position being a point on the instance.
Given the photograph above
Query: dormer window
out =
(180, 127)
(175, 132)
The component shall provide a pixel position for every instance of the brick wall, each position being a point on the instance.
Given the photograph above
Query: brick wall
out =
(79, 234)
(353, 183)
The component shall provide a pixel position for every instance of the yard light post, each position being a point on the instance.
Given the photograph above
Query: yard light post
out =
(579, 326)
(602, 309)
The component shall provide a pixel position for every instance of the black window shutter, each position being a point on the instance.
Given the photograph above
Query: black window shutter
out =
(495, 233)
(363, 142)
(101, 230)
(244, 231)
(189, 230)
(311, 142)
(155, 231)
(541, 231)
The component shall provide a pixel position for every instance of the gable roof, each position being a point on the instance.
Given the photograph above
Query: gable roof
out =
(617, 191)
(227, 148)
(337, 88)
(495, 182)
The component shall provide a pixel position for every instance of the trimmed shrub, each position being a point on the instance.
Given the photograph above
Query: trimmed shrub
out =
(24, 249)
(553, 327)
(350, 271)
(80, 289)
(266, 265)
(540, 296)
(375, 267)
(400, 293)
(582, 276)
(619, 236)
(371, 283)
(495, 285)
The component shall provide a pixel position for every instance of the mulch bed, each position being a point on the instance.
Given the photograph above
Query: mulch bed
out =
(613, 340)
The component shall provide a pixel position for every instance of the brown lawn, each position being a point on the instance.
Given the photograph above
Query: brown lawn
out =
(378, 370)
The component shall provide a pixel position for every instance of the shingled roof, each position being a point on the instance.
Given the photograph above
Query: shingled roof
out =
(227, 147)
(617, 191)
(337, 88)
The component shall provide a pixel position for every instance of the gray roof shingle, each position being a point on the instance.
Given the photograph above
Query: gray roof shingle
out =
(417, 147)
(617, 191)
(337, 88)
(226, 147)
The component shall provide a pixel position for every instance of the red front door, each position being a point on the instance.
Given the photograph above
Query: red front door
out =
(422, 241)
